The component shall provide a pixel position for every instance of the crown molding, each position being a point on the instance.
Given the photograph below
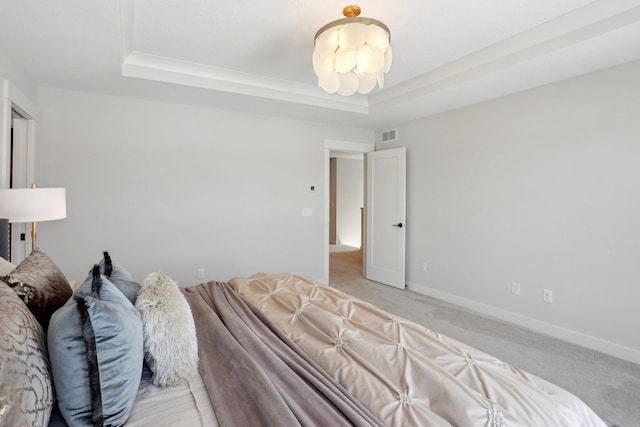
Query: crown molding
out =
(171, 70)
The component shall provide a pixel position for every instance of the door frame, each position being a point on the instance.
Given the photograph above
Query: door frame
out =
(13, 100)
(329, 146)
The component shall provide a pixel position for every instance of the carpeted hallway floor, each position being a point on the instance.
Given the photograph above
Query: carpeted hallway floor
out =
(609, 385)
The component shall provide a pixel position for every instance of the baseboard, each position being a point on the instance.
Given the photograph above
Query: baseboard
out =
(588, 341)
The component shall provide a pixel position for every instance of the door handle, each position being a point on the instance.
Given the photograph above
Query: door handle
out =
(399, 225)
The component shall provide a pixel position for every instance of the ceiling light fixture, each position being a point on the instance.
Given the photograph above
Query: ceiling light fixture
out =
(352, 54)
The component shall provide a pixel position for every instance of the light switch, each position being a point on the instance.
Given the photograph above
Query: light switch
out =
(307, 212)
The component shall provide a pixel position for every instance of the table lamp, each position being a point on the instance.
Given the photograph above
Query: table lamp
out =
(32, 205)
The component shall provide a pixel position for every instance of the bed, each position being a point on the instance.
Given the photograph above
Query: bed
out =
(272, 349)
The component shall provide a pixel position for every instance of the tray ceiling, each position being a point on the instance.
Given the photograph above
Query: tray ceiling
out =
(256, 56)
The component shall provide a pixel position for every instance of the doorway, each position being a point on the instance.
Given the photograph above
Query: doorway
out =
(346, 222)
(398, 222)
(18, 178)
(336, 146)
(346, 199)
(17, 148)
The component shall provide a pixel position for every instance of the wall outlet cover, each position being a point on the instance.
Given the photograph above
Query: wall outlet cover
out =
(515, 288)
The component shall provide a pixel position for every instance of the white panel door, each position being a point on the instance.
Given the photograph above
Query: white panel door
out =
(385, 217)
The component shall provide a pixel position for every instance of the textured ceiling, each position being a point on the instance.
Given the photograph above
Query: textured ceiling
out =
(256, 56)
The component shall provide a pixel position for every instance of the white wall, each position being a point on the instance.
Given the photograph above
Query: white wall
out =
(174, 188)
(17, 76)
(350, 190)
(540, 188)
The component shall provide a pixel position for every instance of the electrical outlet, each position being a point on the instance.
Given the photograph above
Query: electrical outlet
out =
(423, 267)
(201, 273)
(515, 288)
(547, 296)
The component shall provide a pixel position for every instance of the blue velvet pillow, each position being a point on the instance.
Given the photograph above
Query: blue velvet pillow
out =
(96, 353)
(119, 277)
(116, 275)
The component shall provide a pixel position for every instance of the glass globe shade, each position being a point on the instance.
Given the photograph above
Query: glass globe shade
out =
(345, 60)
(369, 61)
(388, 57)
(381, 79)
(377, 38)
(323, 64)
(327, 42)
(329, 82)
(367, 83)
(348, 84)
(352, 35)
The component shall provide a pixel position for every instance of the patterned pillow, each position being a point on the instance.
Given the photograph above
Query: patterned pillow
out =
(26, 392)
(40, 284)
(96, 352)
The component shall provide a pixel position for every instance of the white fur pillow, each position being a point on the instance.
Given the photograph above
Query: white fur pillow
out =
(170, 344)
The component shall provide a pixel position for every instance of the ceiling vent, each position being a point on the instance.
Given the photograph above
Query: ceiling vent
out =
(389, 135)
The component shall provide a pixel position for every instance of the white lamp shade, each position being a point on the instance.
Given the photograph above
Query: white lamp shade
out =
(33, 204)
